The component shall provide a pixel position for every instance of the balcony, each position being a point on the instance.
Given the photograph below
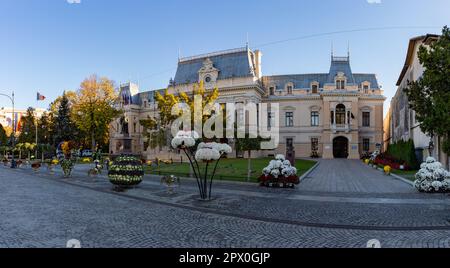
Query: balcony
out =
(335, 128)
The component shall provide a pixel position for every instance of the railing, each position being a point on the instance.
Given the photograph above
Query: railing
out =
(340, 127)
(209, 55)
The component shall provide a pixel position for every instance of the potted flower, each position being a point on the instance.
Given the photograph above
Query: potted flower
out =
(171, 182)
(432, 177)
(96, 170)
(67, 167)
(36, 166)
(387, 170)
(279, 173)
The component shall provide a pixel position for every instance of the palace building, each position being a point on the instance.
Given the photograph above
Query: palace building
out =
(336, 114)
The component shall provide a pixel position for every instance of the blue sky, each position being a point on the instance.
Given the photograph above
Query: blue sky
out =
(51, 45)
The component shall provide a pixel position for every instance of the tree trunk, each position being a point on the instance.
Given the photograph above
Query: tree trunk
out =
(249, 166)
(93, 141)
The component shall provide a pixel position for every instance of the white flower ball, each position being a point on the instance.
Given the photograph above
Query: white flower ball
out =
(280, 157)
(430, 160)
(207, 154)
(287, 163)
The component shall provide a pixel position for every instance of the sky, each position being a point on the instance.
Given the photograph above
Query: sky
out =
(52, 45)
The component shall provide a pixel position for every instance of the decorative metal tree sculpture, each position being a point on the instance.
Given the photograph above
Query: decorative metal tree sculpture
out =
(209, 153)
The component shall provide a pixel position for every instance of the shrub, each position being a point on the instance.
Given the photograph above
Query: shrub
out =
(404, 153)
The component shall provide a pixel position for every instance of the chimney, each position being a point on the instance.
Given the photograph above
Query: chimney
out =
(258, 70)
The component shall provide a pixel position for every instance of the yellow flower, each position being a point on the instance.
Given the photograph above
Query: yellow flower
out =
(387, 169)
(367, 161)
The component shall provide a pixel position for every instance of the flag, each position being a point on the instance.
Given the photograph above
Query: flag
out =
(40, 97)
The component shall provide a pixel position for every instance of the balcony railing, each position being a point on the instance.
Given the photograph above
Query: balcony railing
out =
(340, 128)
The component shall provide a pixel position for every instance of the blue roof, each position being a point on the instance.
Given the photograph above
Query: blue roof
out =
(303, 81)
(340, 65)
(234, 63)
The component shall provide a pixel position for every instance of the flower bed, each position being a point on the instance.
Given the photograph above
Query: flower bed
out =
(126, 171)
(279, 173)
(385, 160)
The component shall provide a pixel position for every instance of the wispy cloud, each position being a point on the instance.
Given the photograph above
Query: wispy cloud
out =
(74, 1)
(374, 1)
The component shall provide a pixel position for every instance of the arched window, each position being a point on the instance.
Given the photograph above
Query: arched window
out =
(340, 114)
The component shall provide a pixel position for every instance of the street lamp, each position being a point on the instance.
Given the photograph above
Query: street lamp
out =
(13, 161)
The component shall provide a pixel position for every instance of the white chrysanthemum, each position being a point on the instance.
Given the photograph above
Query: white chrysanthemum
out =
(287, 163)
(207, 154)
(225, 148)
(439, 174)
(221, 147)
(430, 160)
(184, 138)
(280, 157)
(267, 171)
(437, 185)
(275, 173)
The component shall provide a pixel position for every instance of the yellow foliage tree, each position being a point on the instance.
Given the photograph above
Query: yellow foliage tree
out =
(157, 137)
(94, 108)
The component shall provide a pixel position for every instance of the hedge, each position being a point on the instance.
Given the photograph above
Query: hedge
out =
(404, 151)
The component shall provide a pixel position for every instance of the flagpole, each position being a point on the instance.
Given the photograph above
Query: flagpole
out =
(36, 118)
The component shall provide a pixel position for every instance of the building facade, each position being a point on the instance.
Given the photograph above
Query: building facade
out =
(6, 116)
(335, 114)
(402, 120)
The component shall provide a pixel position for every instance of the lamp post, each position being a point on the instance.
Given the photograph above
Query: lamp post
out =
(13, 161)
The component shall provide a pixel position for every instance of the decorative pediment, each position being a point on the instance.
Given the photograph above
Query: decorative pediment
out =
(208, 73)
(208, 67)
(289, 108)
(315, 108)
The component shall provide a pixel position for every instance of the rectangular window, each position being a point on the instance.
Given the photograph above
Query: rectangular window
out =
(366, 89)
(289, 119)
(314, 119)
(332, 117)
(314, 144)
(366, 145)
(289, 90)
(270, 119)
(340, 84)
(272, 91)
(366, 119)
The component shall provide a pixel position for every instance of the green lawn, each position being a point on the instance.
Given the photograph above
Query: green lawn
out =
(229, 169)
(409, 175)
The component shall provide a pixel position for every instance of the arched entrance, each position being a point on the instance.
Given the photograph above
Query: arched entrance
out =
(340, 147)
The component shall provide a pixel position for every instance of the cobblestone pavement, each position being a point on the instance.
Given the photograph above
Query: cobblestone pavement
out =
(42, 210)
(342, 175)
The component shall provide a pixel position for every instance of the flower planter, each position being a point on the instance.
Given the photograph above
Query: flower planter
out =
(36, 166)
(67, 167)
(126, 171)
(279, 174)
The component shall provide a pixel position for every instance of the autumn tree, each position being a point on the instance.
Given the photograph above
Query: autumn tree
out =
(93, 109)
(429, 96)
(3, 136)
(27, 127)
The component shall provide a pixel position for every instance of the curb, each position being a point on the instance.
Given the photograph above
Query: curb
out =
(402, 179)
(309, 171)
